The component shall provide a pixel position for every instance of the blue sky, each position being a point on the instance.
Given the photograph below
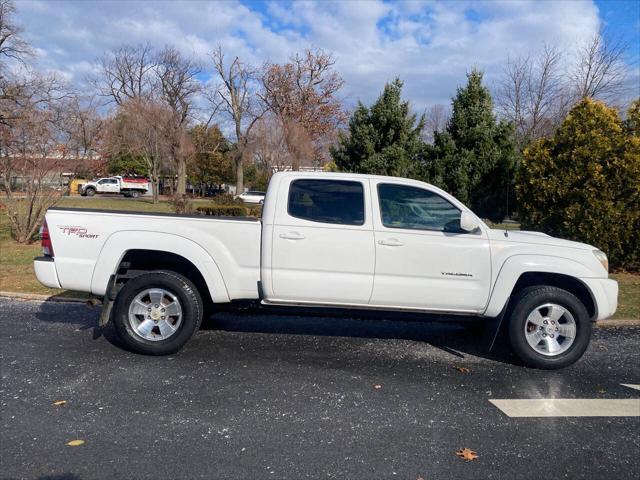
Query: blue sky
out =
(622, 18)
(430, 45)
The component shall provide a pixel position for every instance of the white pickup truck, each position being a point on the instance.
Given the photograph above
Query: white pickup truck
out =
(332, 240)
(127, 186)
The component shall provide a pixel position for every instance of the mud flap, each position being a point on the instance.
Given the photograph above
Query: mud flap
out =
(107, 305)
(493, 328)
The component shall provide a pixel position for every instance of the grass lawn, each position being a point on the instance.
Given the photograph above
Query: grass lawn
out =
(16, 261)
(16, 269)
(629, 296)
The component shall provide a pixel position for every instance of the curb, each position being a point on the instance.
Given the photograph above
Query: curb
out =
(42, 298)
(618, 322)
(615, 322)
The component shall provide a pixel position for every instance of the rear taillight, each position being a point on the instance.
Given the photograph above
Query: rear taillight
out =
(45, 240)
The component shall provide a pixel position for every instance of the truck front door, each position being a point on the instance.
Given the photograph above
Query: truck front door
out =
(108, 185)
(423, 259)
(322, 242)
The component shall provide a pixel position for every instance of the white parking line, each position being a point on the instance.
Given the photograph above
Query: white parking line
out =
(635, 387)
(569, 407)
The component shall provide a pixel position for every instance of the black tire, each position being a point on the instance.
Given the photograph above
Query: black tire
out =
(90, 192)
(134, 194)
(178, 285)
(527, 301)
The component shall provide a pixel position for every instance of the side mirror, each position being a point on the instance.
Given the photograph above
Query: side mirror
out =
(468, 222)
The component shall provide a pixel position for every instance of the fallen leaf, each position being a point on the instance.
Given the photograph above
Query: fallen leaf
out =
(463, 369)
(75, 443)
(467, 454)
(57, 403)
(377, 387)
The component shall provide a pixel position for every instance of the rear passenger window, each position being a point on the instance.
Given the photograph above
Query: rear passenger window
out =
(327, 201)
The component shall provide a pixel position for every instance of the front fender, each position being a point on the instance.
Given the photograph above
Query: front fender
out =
(120, 242)
(517, 265)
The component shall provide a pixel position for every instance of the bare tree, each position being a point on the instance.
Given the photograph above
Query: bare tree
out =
(268, 146)
(83, 127)
(142, 127)
(237, 97)
(513, 93)
(12, 45)
(533, 94)
(600, 71)
(33, 145)
(178, 83)
(12, 48)
(127, 73)
(302, 93)
(436, 118)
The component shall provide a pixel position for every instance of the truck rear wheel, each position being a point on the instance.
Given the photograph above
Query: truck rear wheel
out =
(549, 327)
(134, 194)
(156, 313)
(90, 192)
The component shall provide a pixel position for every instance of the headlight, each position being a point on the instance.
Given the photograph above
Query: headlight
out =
(602, 258)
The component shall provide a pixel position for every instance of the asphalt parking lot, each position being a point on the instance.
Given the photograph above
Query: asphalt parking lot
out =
(271, 395)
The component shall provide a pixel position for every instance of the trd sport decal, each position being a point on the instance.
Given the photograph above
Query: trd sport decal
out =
(80, 232)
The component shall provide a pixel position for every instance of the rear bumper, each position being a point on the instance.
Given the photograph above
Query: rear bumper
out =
(605, 295)
(46, 273)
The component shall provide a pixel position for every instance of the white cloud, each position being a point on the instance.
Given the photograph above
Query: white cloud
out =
(428, 44)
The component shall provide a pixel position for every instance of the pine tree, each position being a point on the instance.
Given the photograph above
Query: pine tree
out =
(210, 159)
(383, 139)
(475, 155)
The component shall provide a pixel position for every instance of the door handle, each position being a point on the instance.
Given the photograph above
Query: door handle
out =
(292, 236)
(391, 242)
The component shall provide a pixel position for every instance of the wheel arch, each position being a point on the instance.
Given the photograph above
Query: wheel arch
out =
(522, 271)
(566, 282)
(137, 261)
(144, 251)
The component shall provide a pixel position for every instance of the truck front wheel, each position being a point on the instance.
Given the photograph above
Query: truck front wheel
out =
(156, 313)
(549, 327)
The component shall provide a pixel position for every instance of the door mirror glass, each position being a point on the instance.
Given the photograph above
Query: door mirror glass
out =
(468, 222)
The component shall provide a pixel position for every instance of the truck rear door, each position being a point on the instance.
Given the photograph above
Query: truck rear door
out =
(323, 248)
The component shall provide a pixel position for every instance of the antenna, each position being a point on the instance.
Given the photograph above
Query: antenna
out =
(506, 213)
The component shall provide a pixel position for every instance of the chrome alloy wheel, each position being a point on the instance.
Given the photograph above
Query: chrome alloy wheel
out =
(155, 314)
(550, 329)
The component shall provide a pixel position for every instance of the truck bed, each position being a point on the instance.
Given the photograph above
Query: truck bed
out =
(89, 244)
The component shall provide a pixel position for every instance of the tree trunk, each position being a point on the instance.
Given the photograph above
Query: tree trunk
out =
(182, 177)
(155, 178)
(156, 187)
(239, 174)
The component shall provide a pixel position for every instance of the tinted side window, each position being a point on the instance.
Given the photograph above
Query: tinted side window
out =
(402, 206)
(327, 201)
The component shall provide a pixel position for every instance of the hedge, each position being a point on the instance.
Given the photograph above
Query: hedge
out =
(229, 211)
(583, 183)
